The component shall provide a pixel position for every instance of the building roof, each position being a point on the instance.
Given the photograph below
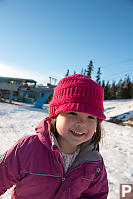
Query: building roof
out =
(18, 79)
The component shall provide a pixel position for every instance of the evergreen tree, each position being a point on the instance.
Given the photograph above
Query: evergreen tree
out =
(98, 76)
(113, 90)
(90, 69)
(127, 88)
(119, 89)
(67, 73)
(107, 91)
(103, 84)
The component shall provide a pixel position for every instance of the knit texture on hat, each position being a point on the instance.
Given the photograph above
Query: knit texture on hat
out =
(77, 93)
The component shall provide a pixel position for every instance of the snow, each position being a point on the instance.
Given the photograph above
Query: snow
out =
(123, 109)
(117, 150)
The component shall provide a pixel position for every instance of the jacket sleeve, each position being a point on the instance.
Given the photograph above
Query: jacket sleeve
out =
(9, 169)
(98, 188)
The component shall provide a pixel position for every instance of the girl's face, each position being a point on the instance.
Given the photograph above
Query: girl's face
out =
(74, 128)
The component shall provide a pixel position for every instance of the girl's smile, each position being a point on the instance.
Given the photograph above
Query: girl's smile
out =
(76, 133)
(73, 129)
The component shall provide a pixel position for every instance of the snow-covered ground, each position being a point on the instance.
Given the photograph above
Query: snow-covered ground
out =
(120, 109)
(117, 147)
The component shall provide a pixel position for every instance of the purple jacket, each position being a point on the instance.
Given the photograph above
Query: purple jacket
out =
(35, 166)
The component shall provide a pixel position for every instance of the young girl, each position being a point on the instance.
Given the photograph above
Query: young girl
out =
(61, 161)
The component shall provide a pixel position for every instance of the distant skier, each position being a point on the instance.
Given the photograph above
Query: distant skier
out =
(61, 161)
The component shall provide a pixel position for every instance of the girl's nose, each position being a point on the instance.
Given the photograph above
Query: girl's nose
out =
(82, 122)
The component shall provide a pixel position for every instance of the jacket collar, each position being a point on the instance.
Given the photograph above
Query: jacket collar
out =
(87, 153)
(43, 132)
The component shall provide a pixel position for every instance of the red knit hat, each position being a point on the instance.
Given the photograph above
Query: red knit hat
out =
(77, 93)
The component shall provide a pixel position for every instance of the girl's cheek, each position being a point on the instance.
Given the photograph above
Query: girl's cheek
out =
(92, 125)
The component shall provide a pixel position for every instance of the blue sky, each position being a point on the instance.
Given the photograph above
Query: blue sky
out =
(42, 38)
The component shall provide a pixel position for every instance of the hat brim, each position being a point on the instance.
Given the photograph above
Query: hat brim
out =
(78, 107)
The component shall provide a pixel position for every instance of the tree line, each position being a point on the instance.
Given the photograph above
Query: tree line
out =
(123, 89)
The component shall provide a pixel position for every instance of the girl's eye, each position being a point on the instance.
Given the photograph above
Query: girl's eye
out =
(91, 117)
(72, 113)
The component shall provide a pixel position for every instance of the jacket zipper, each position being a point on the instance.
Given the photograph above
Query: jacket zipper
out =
(40, 174)
(63, 179)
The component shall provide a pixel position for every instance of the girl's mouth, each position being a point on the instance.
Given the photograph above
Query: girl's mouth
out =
(76, 133)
